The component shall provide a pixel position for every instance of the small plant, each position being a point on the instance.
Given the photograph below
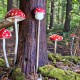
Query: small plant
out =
(17, 74)
(2, 62)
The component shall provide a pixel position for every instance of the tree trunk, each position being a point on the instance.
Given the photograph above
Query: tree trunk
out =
(52, 13)
(79, 9)
(67, 21)
(58, 14)
(48, 13)
(63, 12)
(28, 37)
(9, 4)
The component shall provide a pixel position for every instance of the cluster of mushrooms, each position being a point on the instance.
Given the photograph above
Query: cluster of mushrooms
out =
(16, 15)
(13, 15)
(56, 37)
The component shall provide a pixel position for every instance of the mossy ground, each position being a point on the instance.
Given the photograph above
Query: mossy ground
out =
(57, 57)
(17, 74)
(50, 71)
(59, 74)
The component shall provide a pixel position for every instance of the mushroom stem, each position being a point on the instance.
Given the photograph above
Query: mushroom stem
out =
(37, 61)
(5, 56)
(71, 50)
(16, 42)
(34, 73)
(40, 77)
(55, 47)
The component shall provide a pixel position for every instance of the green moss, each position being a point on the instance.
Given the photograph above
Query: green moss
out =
(59, 74)
(54, 57)
(50, 57)
(74, 59)
(2, 62)
(18, 75)
(57, 57)
(46, 78)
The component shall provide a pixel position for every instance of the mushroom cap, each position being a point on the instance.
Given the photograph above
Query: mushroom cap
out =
(73, 35)
(39, 10)
(56, 37)
(15, 14)
(5, 34)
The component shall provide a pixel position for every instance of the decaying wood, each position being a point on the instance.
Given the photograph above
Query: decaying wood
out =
(5, 24)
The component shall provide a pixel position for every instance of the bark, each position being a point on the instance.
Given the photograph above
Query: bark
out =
(63, 12)
(9, 4)
(58, 14)
(52, 13)
(47, 13)
(28, 37)
(79, 10)
(67, 21)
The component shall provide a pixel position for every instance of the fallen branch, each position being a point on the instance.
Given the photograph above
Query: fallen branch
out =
(5, 24)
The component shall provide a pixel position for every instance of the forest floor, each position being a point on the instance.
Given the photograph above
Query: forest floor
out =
(10, 43)
(4, 72)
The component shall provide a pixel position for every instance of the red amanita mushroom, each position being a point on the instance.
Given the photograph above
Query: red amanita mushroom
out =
(5, 34)
(15, 15)
(72, 36)
(39, 15)
(56, 38)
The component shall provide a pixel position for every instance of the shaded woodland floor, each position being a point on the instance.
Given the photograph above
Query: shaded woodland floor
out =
(10, 43)
(63, 50)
